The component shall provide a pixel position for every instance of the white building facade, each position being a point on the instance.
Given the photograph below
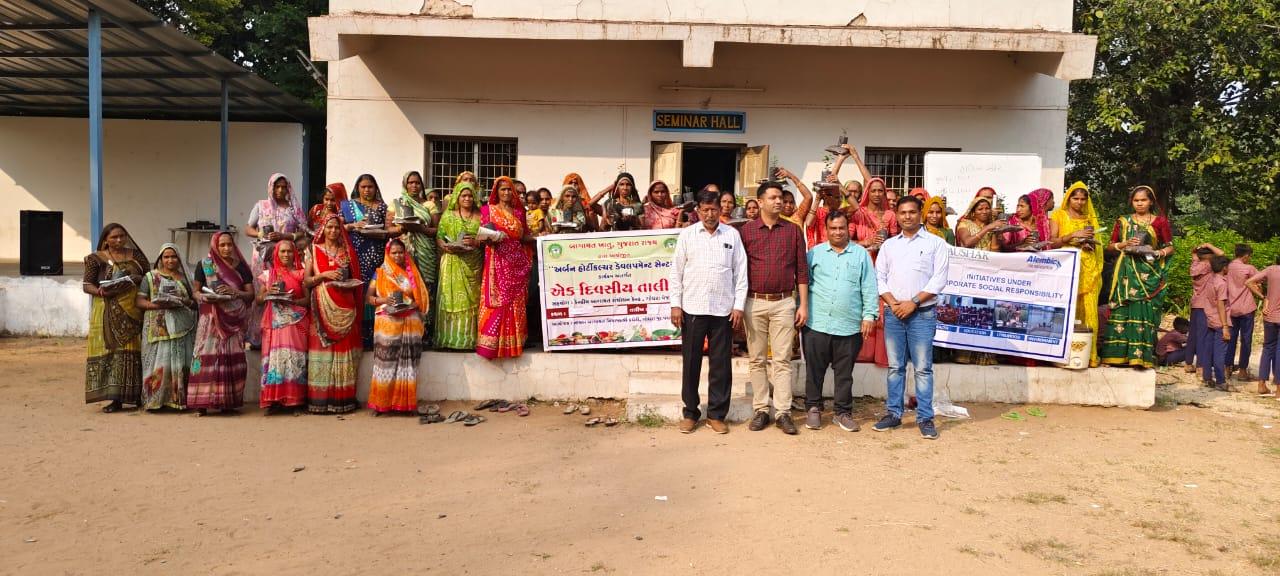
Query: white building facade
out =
(540, 88)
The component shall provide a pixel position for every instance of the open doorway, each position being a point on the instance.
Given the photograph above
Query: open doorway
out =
(688, 166)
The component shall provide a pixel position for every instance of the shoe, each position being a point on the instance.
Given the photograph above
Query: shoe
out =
(687, 425)
(1222, 387)
(927, 430)
(788, 427)
(717, 426)
(1243, 375)
(813, 419)
(889, 422)
(847, 423)
(759, 421)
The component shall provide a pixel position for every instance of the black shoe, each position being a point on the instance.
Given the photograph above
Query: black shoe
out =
(889, 422)
(928, 430)
(759, 421)
(788, 427)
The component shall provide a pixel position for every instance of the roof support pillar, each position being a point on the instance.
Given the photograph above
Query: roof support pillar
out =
(222, 173)
(95, 126)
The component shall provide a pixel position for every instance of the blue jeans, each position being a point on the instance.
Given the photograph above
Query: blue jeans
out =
(910, 340)
(1211, 351)
(1242, 332)
(1198, 325)
(1270, 364)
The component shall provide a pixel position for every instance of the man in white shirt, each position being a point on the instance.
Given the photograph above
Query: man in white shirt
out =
(911, 270)
(708, 293)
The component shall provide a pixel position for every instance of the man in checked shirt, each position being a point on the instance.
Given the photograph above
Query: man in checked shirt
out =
(777, 270)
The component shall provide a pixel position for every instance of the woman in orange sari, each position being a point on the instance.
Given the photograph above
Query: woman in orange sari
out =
(397, 333)
(333, 346)
(504, 283)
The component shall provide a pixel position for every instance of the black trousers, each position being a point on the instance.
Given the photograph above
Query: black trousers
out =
(822, 350)
(718, 332)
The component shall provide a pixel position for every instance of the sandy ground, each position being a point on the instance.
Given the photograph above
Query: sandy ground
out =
(1175, 490)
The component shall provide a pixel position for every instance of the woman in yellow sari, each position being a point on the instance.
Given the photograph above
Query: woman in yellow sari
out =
(977, 230)
(1077, 224)
(114, 369)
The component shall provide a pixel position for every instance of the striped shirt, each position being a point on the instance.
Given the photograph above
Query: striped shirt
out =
(709, 271)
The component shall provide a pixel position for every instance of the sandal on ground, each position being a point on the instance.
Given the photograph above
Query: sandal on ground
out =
(428, 409)
(592, 422)
(455, 416)
(473, 420)
(571, 408)
(487, 404)
(501, 406)
(584, 409)
(521, 410)
(200, 412)
(610, 422)
(431, 418)
(112, 407)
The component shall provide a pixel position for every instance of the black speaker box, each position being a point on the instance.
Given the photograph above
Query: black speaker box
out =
(40, 243)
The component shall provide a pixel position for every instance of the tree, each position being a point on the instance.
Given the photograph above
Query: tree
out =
(261, 35)
(1186, 98)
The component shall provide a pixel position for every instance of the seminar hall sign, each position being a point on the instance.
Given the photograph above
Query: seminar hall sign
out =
(699, 121)
(606, 290)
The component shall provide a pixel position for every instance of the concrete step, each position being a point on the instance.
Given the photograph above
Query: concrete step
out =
(671, 408)
(646, 383)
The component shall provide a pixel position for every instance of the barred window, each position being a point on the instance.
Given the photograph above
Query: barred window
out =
(901, 168)
(488, 158)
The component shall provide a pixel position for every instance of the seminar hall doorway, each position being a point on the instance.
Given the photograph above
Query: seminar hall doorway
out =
(688, 166)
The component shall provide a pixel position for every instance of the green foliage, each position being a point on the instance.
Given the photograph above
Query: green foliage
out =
(1179, 278)
(261, 35)
(1186, 98)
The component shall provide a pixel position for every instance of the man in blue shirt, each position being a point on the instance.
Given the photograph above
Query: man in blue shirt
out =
(842, 306)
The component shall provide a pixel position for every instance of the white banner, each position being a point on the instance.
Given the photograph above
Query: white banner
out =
(1016, 303)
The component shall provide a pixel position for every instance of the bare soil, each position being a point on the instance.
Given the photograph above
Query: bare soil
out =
(1174, 490)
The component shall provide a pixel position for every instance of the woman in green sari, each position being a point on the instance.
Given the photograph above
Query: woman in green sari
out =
(420, 235)
(461, 260)
(168, 331)
(114, 369)
(1144, 242)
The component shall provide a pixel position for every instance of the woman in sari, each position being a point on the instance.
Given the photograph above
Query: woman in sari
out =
(218, 369)
(333, 345)
(279, 217)
(113, 371)
(366, 221)
(397, 334)
(568, 216)
(584, 197)
(1036, 232)
(622, 207)
(334, 195)
(873, 222)
(283, 295)
(420, 236)
(1077, 224)
(168, 331)
(660, 211)
(1144, 242)
(935, 219)
(976, 230)
(458, 293)
(752, 209)
(503, 285)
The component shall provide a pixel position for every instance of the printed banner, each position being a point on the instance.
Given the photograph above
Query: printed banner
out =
(606, 290)
(1016, 304)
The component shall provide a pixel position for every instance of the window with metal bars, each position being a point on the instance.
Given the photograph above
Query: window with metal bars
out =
(488, 158)
(901, 168)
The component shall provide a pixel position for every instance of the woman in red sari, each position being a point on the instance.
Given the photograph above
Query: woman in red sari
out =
(333, 346)
(872, 223)
(334, 195)
(504, 284)
(284, 330)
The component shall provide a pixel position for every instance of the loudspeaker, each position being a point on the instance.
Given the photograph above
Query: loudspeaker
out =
(40, 243)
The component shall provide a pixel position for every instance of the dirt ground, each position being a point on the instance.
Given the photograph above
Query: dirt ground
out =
(1178, 489)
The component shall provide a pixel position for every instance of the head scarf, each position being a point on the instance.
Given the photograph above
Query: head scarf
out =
(271, 211)
(941, 202)
(973, 205)
(229, 317)
(458, 180)
(423, 209)
(129, 245)
(1090, 215)
(226, 269)
(635, 194)
(977, 195)
(576, 180)
(1036, 200)
(657, 216)
(319, 240)
(392, 277)
(560, 199)
(517, 203)
(920, 193)
(182, 266)
(866, 194)
(377, 190)
(339, 191)
(453, 204)
(291, 276)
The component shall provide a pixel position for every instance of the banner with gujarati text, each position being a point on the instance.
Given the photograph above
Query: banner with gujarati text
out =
(606, 290)
(1015, 304)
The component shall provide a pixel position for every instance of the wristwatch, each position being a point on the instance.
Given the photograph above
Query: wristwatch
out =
(915, 300)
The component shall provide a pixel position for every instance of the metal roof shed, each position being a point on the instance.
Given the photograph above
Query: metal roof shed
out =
(113, 59)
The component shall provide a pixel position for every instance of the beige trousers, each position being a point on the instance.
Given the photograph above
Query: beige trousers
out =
(771, 330)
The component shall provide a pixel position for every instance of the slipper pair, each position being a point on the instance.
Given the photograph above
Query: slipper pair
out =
(608, 422)
(580, 408)
(491, 405)
(428, 409)
(434, 418)
(464, 418)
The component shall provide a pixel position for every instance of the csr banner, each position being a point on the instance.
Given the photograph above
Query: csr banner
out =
(1017, 304)
(606, 290)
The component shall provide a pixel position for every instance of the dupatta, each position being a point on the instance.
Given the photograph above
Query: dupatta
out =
(506, 263)
(231, 317)
(1091, 261)
(1039, 220)
(866, 223)
(168, 323)
(337, 310)
(392, 277)
(657, 216)
(281, 314)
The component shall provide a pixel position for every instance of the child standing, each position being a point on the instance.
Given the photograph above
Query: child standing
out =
(1242, 308)
(1270, 365)
(1200, 274)
(1212, 348)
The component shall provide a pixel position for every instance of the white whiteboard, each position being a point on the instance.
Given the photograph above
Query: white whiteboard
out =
(957, 176)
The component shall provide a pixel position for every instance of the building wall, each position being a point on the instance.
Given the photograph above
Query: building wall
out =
(587, 106)
(1052, 15)
(156, 175)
